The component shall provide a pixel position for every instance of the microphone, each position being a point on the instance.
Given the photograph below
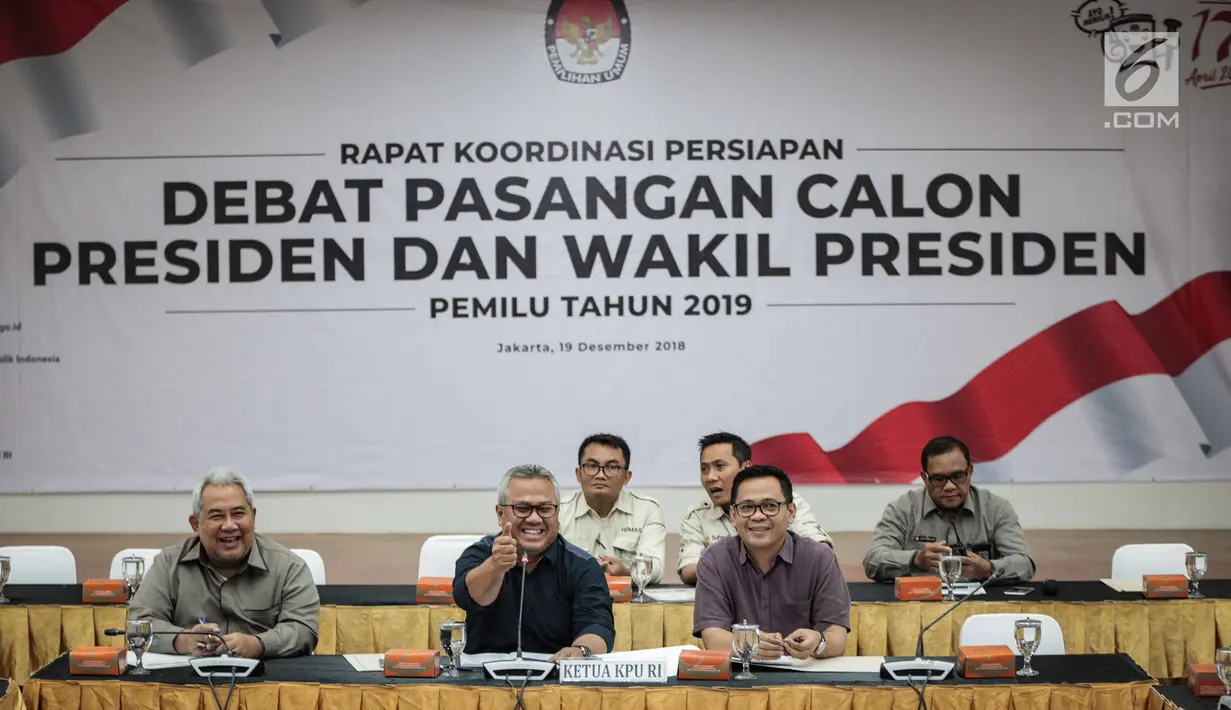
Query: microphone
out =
(518, 667)
(930, 668)
(225, 650)
(224, 665)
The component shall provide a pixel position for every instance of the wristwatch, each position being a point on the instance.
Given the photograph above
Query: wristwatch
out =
(585, 651)
(820, 648)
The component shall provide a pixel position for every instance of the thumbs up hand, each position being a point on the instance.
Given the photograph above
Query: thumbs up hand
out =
(504, 549)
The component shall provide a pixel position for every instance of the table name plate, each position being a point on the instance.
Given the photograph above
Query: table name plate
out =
(598, 670)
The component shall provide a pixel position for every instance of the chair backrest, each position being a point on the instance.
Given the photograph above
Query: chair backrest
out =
(316, 564)
(438, 558)
(997, 629)
(117, 563)
(40, 564)
(1133, 561)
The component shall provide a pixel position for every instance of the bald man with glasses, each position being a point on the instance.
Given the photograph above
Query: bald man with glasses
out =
(948, 515)
(606, 519)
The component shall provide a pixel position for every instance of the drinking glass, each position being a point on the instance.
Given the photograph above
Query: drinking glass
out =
(641, 575)
(1028, 633)
(453, 642)
(1222, 661)
(950, 572)
(134, 572)
(1194, 562)
(5, 565)
(138, 633)
(745, 640)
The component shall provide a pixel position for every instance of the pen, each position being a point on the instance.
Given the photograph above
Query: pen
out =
(201, 644)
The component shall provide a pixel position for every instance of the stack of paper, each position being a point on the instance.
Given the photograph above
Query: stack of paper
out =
(476, 660)
(365, 662)
(1124, 585)
(839, 664)
(155, 661)
(670, 595)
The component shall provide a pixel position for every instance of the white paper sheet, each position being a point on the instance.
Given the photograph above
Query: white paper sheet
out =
(840, 664)
(1124, 585)
(963, 589)
(154, 661)
(672, 595)
(476, 660)
(365, 662)
(671, 653)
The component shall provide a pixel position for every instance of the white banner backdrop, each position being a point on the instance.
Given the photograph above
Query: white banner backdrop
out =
(408, 244)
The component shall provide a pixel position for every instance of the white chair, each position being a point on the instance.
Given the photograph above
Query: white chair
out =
(997, 629)
(117, 563)
(40, 564)
(438, 558)
(1133, 561)
(316, 564)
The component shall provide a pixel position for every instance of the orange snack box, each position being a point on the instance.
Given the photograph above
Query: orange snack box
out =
(434, 590)
(98, 660)
(705, 665)
(917, 589)
(986, 662)
(412, 663)
(1165, 586)
(621, 588)
(1203, 680)
(104, 591)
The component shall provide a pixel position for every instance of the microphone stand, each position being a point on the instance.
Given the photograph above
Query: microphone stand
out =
(230, 667)
(518, 667)
(920, 668)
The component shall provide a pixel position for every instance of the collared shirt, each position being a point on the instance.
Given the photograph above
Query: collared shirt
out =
(986, 524)
(272, 597)
(706, 522)
(566, 596)
(634, 525)
(804, 588)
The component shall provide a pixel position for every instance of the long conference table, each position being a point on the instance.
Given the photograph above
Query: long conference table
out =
(1091, 682)
(1162, 636)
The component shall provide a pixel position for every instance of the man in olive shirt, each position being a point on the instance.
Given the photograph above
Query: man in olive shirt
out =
(256, 594)
(723, 455)
(947, 515)
(606, 519)
(788, 585)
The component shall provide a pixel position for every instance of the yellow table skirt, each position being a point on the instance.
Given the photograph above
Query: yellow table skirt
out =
(1163, 637)
(104, 695)
(12, 698)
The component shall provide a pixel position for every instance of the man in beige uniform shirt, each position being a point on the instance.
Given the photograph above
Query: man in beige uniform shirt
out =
(256, 594)
(948, 514)
(606, 519)
(722, 456)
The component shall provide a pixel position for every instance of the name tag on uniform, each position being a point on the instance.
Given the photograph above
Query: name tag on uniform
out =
(924, 538)
(601, 670)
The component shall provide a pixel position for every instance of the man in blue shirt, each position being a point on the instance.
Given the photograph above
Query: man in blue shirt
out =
(567, 602)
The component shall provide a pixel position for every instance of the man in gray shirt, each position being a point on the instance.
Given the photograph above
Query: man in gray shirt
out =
(258, 595)
(946, 515)
(789, 585)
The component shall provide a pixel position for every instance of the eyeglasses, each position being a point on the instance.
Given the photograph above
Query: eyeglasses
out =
(769, 507)
(939, 480)
(592, 469)
(523, 510)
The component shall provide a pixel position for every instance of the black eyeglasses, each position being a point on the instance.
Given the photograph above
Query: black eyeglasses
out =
(939, 480)
(769, 507)
(592, 469)
(523, 510)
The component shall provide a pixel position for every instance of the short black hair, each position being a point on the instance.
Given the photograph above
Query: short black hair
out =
(763, 472)
(739, 447)
(942, 445)
(615, 442)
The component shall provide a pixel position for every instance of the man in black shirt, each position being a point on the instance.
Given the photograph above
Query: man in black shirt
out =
(567, 602)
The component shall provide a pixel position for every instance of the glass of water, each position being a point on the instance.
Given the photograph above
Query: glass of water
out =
(138, 633)
(950, 572)
(1194, 562)
(134, 572)
(1222, 661)
(641, 575)
(745, 640)
(453, 642)
(5, 566)
(1028, 633)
